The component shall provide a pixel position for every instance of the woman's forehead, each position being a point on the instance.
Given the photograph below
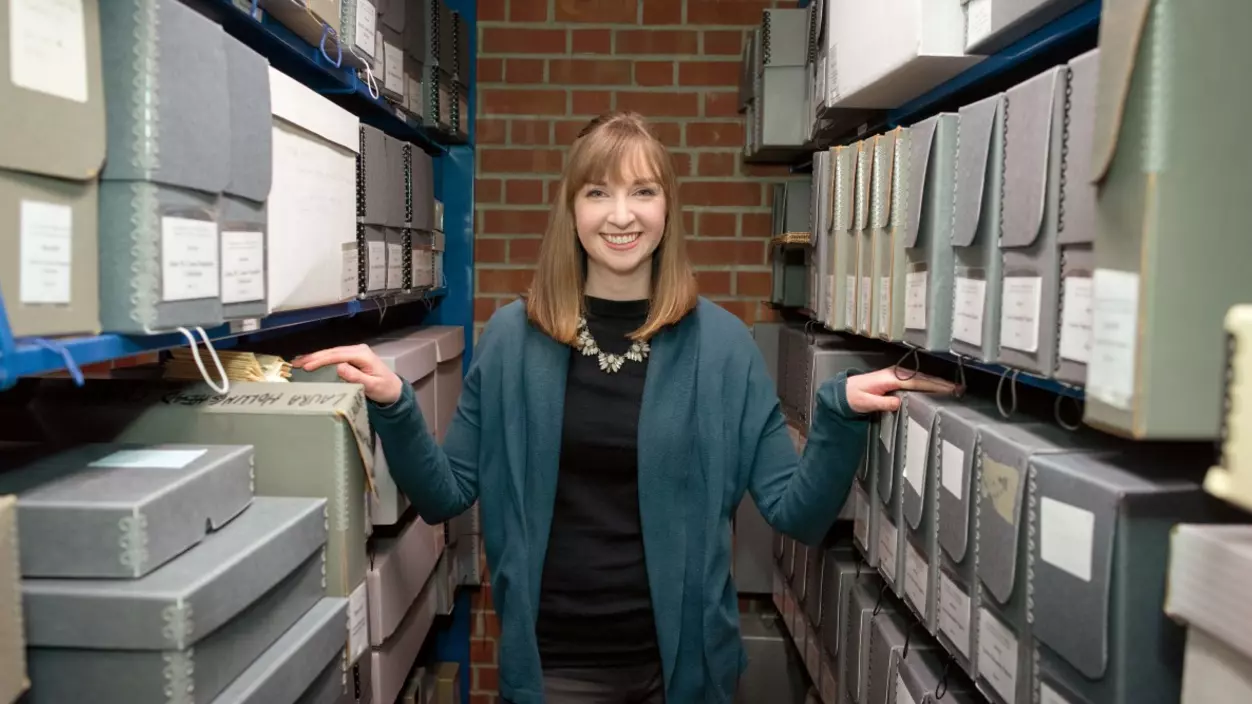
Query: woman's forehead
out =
(629, 166)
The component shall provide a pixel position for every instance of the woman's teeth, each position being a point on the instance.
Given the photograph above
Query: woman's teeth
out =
(622, 239)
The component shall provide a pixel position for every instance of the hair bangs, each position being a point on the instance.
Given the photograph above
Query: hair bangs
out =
(626, 155)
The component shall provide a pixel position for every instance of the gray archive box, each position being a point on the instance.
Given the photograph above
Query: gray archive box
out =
(243, 217)
(1170, 153)
(396, 258)
(885, 220)
(840, 569)
(446, 44)
(753, 549)
(200, 620)
(768, 338)
(887, 502)
(1076, 230)
(843, 243)
(865, 603)
(169, 145)
(925, 678)
(995, 24)
(863, 226)
(773, 673)
(391, 79)
(784, 37)
(824, 362)
(293, 663)
(819, 261)
(122, 511)
(865, 517)
(1034, 150)
(976, 229)
(52, 146)
(422, 193)
(928, 232)
(1003, 565)
(358, 25)
(889, 635)
(1103, 527)
(810, 597)
(330, 686)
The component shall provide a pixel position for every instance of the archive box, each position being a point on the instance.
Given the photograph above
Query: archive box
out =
(843, 242)
(992, 25)
(13, 679)
(401, 567)
(928, 232)
(293, 664)
(888, 241)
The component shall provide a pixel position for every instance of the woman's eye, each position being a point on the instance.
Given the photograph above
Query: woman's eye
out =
(647, 192)
(595, 193)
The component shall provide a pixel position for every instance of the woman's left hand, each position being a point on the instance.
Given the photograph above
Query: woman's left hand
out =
(867, 393)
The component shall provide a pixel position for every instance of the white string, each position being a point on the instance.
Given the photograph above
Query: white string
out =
(195, 355)
(1012, 392)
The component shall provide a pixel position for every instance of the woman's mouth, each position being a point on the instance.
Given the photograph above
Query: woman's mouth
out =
(623, 241)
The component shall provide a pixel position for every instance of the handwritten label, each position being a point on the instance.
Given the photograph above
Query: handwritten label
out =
(916, 578)
(888, 538)
(393, 70)
(954, 613)
(977, 21)
(971, 295)
(1067, 537)
(349, 272)
(358, 623)
(189, 259)
(916, 451)
(952, 470)
(915, 300)
(149, 459)
(46, 232)
(1114, 331)
(366, 14)
(997, 655)
(1076, 319)
(1019, 313)
(867, 291)
(376, 251)
(48, 47)
(849, 303)
(884, 305)
(395, 265)
(243, 267)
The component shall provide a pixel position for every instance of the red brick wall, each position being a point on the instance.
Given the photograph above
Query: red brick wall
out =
(545, 67)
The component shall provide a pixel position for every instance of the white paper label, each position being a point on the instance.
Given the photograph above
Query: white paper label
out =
(413, 96)
(243, 267)
(867, 292)
(902, 692)
(997, 655)
(377, 271)
(46, 247)
(349, 273)
(916, 578)
(1019, 313)
(916, 451)
(915, 300)
(365, 16)
(952, 465)
(149, 459)
(884, 305)
(860, 517)
(971, 297)
(849, 303)
(977, 21)
(887, 537)
(358, 623)
(48, 47)
(1114, 332)
(954, 613)
(1067, 535)
(189, 257)
(1047, 695)
(393, 70)
(395, 265)
(1076, 319)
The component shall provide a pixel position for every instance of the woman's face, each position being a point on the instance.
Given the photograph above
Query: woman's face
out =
(620, 223)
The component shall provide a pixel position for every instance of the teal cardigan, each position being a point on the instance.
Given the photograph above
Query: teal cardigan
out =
(710, 428)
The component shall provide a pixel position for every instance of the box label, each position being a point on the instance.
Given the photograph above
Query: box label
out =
(48, 47)
(393, 69)
(916, 578)
(414, 96)
(149, 459)
(46, 250)
(1067, 537)
(1000, 483)
(358, 624)
(1114, 331)
(884, 305)
(916, 451)
(377, 263)
(366, 14)
(243, 267)
(977, 21)
(395, 265)
(1076, 319)
(189, 259)
(349, 272)
(887, 537)
(1019, 313)
(915, 300)
(971, 295)
(997, 655)
(867, 292)
(954, 612)
(849, 303)
(952, 470)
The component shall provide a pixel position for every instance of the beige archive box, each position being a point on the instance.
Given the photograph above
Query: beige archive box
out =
(13, 680)
(862, 224)
(1232, 478)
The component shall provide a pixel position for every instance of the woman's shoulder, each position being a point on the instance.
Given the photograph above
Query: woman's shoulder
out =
(719, 325)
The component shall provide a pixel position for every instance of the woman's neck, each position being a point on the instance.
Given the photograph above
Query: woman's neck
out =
(612, 286)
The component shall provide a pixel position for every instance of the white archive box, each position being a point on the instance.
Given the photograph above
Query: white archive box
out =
(991, 25)
(843, 242)
(400, 568)
(312, 205)
(887, 216)
(891, 51)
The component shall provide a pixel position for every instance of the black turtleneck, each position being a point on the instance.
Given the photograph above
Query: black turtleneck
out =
(595, 609)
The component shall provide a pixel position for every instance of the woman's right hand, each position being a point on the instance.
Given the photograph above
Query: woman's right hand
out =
(357, 364)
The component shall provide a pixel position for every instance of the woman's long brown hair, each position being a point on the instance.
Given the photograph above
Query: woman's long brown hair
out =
(610, 145)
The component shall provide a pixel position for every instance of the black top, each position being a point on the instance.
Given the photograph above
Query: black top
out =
(595, 609)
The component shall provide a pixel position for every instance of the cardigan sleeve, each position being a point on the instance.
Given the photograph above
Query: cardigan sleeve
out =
(441, 482)
(802, 496)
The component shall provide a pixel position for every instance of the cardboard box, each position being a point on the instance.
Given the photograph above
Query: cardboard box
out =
(928, 233)
(13, 680)
(52, 146)
(392, 661)
(122, 511)
(400, 569)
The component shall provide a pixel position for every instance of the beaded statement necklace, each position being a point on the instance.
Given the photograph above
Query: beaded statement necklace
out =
(609, 363)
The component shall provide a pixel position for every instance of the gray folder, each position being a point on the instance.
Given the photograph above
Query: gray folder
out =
(928, 232)
(1033, 154)
(839, 571)
(122, 511)
(863, 225)
(866, 602)
(919, 488)
(843, 268)
(976, 229)
(886, 219)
